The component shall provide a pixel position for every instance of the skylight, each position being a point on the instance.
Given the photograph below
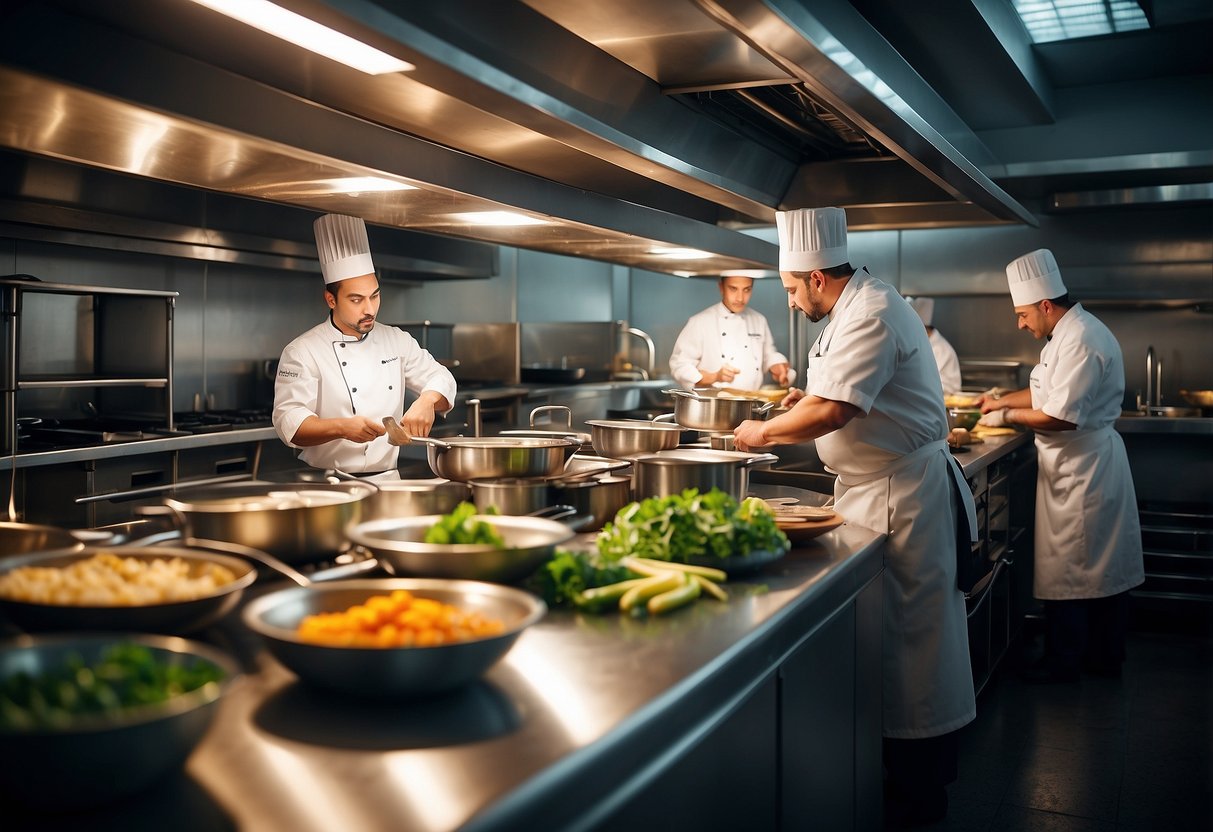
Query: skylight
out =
(1050, 20)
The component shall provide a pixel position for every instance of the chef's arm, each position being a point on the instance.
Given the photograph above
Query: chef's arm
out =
(316, 431)
(809, 418)
(1035, 419)
(419, 418)
(993, 401)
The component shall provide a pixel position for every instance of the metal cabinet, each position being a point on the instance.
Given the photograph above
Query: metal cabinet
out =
(60, 338)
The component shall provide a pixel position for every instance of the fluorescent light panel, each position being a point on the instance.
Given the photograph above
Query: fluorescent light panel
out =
(1053, 20)
(299, 30)
(680, 253)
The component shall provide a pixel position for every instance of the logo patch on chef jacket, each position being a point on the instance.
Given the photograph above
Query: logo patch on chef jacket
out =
(288, 374)
(389, 360)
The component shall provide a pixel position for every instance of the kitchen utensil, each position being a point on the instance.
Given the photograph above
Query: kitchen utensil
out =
(466, 458)
(598, 499)
(513, 495)
(410, 498)
(396, 435)
(670, 472)
(567, 432)
(963, 417)
(99, 759)
(624, 438)
(707, 410)
(297, 522)
(391, 671)
(399, 546)
(173, 617)
(21, 538)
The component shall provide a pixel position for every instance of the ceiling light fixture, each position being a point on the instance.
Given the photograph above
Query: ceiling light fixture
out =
(299, 30)
(500, 218)
(681, 253)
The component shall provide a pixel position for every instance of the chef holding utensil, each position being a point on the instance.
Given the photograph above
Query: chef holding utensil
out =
(874, 405)
(945, 354)
(1088, 536)
(338, 380)
(728, 343)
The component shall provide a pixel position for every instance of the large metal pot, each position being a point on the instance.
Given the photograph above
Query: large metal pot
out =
(20, 538)
(709, 411)
(671, 472)
(513, 496)
(624, 438)
(295, 522)
(410, 498)
(599, 499)
(466, 458)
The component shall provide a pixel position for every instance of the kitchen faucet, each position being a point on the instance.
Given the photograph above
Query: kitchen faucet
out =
(1153, 379)
(646, 373)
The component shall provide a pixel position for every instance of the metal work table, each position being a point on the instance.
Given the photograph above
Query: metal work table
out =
(581, 714)
(990, 450)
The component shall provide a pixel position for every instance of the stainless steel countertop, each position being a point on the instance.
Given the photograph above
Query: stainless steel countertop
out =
(990, 450)
(1201, 425)
(577, 707)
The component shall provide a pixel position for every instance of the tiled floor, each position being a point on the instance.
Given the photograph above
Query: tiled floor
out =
(1100, 755)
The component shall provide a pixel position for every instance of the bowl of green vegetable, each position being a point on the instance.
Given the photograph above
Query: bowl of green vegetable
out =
(464, 544)
(86, 720)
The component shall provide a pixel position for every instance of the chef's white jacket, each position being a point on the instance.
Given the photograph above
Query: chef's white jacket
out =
(329, 374)
(717, 336)
(1088, 535)
(947, 361)
(896, 476)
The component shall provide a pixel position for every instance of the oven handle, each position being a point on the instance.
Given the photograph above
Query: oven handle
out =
(158, 489)
(999, 565)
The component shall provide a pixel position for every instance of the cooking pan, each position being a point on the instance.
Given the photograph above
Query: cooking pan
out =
(465, 458)
(410, 498)
(296, 522)
(173, 617)
(399, 546)
(705, 409)
(670, 472)
(1198, 398)
(623, 438)
(22, 538)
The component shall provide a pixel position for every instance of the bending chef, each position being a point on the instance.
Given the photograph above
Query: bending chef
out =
(337, 381)
(728, 344)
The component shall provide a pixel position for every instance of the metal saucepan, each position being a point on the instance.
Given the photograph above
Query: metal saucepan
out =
(411, 498)
(598, 499)
(22, 538)
(705, 409)
(466, 458)
(296, 522)
(1198, 398)
(392, 671)
(670, 472)
(624, 438)
(399, 546)
(172, 617)
(567, 432)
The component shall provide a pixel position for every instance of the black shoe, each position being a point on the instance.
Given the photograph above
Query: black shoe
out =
(1045, 672)
(1106, 669)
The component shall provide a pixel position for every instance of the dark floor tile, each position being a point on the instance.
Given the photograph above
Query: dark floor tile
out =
(965, 816)
(1021, 819)
(1085, 784)
(1165, 742)
(1166, 792)
(984, 777)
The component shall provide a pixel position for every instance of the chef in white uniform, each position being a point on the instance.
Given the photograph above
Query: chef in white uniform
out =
(945, 355)
(728, 344)
(874, 405)
(1088, 536)
(337, 381)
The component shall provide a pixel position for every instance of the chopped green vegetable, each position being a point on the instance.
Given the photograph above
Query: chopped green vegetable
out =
(691, 525)
(462, 526)
(125, 676)
(568, 574)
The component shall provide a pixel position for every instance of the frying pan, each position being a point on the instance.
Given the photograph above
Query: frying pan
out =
(399, 546)
(173, 617)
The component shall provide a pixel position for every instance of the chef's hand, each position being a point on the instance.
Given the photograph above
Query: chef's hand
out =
(725, 374)
(989, 400)
(794, 395)
(361, 429)
(418, 419)
(779, 372)
(748, 435)
(994, 418)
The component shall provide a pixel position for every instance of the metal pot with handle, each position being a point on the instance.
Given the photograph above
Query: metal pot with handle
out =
(296, 522)
(623, 438)
(466, 458)
(709, 410)
(670, 472)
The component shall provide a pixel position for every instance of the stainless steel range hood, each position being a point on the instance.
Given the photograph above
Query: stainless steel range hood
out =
(590, 119)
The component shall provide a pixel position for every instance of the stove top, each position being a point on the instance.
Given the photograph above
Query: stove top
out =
(59, 434)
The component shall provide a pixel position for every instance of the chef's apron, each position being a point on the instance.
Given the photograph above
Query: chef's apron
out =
(1088, 535)
(926, 673)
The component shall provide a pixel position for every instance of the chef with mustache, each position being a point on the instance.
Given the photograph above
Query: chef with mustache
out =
(337, 381)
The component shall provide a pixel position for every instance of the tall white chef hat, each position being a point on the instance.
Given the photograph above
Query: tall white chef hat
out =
(343, 247)
(1034, 277)
(925, 307)
(811, 238)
